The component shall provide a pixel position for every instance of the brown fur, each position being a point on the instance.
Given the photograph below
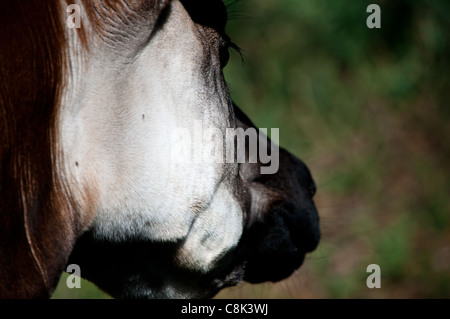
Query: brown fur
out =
(39, 219)
(38, 226)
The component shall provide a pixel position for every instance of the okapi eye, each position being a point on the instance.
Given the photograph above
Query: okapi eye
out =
(224, 50)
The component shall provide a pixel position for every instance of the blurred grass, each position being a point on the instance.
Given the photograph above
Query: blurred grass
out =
(368, 111)
(87, 290)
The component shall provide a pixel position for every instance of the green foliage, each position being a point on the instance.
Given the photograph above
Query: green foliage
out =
(367, 110)
(87, 290)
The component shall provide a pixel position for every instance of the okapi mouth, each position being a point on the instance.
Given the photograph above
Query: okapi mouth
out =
(275, 246)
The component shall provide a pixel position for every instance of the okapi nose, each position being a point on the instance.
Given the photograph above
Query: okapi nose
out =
(304, 228)
(305, 223)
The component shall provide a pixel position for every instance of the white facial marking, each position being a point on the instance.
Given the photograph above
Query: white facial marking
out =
(116, 122)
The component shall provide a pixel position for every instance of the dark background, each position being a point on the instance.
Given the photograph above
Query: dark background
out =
(367, 110)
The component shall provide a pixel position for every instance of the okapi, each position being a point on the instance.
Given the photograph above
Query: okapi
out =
(86, 175)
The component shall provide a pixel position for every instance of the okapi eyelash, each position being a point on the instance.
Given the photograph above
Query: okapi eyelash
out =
(234, 10)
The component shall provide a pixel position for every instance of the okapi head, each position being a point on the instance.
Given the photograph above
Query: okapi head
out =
(87, 167)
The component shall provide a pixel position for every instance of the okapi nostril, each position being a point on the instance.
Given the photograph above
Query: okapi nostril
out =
(280, 241)
(312, 190)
